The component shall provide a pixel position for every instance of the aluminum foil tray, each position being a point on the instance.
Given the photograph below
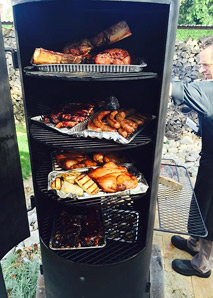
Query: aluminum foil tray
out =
(122, 225)
(141, 188)
(82, 131)
(90, 68)
(64, 130)
(78, 228)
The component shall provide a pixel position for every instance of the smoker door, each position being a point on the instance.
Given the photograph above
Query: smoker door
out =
(13, 214)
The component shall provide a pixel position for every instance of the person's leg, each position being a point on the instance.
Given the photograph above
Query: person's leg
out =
(193, 243)
(203, 261)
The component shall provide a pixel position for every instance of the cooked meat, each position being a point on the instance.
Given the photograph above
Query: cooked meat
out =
(122, 114)
(113, 34)
(117, 158)
(79, 48)
(129, 125)
(113, 56)
(138, 118)
(98, 119)
(126, 181)
(111, 119)
(42, 56)
(92, 126)
(66, 124)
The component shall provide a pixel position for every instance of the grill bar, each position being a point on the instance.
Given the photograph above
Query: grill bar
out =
(55, 139)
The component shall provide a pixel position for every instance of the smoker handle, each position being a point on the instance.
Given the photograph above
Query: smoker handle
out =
(32, 204)
(14, 56)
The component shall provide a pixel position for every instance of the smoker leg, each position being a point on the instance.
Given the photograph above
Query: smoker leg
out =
(156, 274)
(3, 293)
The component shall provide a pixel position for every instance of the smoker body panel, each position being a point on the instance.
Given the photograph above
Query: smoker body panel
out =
(72, 280)
(39, 24)
(13, 214)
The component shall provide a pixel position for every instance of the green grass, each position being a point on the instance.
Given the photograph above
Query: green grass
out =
(183, 34)
(20, 270)
(23, 151)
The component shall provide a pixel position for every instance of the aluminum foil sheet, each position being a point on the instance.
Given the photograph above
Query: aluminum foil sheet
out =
(141, 188)
(84, 68)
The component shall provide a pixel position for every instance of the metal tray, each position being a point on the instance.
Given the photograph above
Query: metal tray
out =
(82, 131)
(121, 225)
(140, 189)
(73, 236)
(90, 68)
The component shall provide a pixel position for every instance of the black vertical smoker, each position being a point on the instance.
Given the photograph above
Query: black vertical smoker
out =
(120, 269)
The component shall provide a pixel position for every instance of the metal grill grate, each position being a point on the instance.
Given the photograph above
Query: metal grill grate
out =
(55, 139)
(178, 210)
(86, 76)
(116, 250)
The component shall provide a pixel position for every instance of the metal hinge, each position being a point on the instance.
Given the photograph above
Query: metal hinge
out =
(32, 203)
(14, 56)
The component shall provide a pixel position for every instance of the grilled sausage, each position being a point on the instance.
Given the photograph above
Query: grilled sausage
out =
(98, 119)
(122, 114)
(129, 126)
(111, 119)
(92, 126)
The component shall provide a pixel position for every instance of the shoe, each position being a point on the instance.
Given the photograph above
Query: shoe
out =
(181, 243)
(184, 267)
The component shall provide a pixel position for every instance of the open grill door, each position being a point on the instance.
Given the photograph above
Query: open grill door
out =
(13, 213)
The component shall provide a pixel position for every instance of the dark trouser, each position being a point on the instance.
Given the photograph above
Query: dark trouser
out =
(203, 261)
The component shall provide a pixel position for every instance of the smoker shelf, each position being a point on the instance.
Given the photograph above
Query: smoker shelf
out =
(178, 210)
(31, 72)
(42, 183)
(57, 140)
(116, 250)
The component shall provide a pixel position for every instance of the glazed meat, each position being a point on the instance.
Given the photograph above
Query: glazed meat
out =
(113, 56)
(69, 114)
(112, 178)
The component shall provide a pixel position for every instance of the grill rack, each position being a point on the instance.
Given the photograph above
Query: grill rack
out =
(56, 139)
(179, 211)
(115, 251)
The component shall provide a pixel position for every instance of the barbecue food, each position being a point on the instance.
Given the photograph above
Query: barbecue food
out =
(123, 121)
(42, 56)
(78, 227)
(68, 187)
(74, 160)
(113, 56)
(112, 178)
(69, 114)
(111, 35)
(116, 158)
(88, 185)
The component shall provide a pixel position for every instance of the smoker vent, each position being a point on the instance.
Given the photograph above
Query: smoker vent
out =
(55, 139)
(116, 250)
(178, 210)
(29, 71)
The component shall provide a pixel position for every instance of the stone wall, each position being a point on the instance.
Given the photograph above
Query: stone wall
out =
(185, 67)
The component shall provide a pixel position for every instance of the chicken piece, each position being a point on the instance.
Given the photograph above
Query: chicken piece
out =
(108, 183)
(113, 56)
(113, 157)
(98, 157)
(99, 172)
(126, 181)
